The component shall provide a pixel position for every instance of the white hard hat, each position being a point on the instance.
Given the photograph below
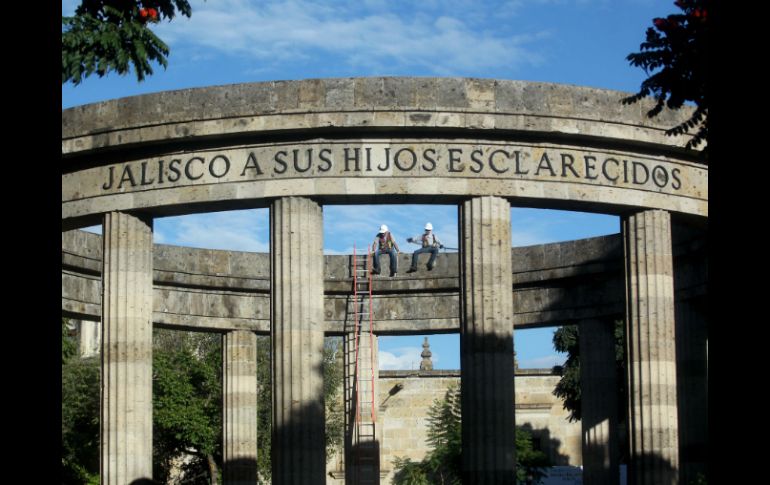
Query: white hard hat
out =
(429, 227)
(383, 228)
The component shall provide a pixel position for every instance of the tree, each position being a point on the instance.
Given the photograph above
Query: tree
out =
(187, 403)
(79, 414)
(677, 47)
(442, 463)
(566, 339)
(334, 413)
(68, 345)
(113, 35)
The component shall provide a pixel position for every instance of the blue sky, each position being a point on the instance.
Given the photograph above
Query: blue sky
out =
(581, 42)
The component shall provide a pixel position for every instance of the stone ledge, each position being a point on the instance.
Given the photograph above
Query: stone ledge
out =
(237, 105)
(403, 374)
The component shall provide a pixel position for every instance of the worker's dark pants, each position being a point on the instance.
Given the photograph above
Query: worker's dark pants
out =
(393, 259)
(433, 252)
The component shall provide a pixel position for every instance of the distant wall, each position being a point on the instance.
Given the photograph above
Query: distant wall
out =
(403, 416)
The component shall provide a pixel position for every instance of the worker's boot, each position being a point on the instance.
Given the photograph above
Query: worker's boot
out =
(412, 269)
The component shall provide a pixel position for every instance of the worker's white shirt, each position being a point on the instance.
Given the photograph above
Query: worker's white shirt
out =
(431, 239)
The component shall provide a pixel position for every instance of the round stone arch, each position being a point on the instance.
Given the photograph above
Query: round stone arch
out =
(296, 145)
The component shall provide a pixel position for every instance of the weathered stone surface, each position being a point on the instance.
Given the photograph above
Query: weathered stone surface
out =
(692, 387)
(565, 176)
(297, 326)
(591, 141)
(692, 322)
(126, 410)
(552, 284)
(239, 408)
(403, 413)
(486, 347)
(651, 353)
(90, 338)
(320, 95)
(599, 404)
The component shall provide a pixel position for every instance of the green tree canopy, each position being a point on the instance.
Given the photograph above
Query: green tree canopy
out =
(79, 414)
(334, 412)
(113, 35)
(187, 403)
(674, 56)
(566, 339)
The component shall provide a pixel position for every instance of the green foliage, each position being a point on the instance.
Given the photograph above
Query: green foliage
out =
(113, 35)
(444, 420)
(68, 346)
(335, 413)
(187, 400)
(335, 418)
(566, 339)
(442, 463)
(530, 463)
(264, 408)
(80, 420)
(409, 472)
(187, 403)
(677, 48)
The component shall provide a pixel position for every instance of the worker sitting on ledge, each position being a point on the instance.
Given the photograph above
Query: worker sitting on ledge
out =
(430, 244)
(385, 243)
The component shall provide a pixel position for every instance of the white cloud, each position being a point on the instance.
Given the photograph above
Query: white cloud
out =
(159, 236)
(534, 226)
(345, 225)
(233, 230)
(401, 358)
(545, 362)
(375, 35)
(527, 238)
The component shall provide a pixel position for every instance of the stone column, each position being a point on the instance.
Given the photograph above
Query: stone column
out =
(486, 341)
(599, 404)
(692, 381)
(653, 430)
(297, 331)
(126, 411)
(239, 408)
(89, 334)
